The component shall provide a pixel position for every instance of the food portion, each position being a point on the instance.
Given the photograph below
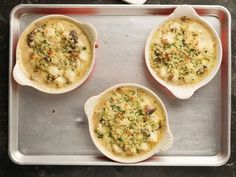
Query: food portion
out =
(128, 121)
(55, 53)
(182, 51)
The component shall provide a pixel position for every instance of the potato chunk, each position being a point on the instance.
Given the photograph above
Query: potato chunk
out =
(70, 75)
(152, 137)
(60, 81)
(53, 70)
(168, 38)
(144, 147)
(116, 149)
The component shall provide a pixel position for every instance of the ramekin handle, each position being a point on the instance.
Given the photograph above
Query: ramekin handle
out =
(90, 105)
(91, 31)
(167, 141)
(184, 10)
(19, 76)
(183, 93)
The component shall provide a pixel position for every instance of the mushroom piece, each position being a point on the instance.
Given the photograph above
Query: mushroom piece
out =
(149, 109)
(31, 36)
(73, 36)
(30, 39)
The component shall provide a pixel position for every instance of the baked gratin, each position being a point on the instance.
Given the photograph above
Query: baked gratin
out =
(128, 121)
(182, 51)
(55, 53)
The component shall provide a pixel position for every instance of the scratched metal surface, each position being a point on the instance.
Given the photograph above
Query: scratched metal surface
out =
(42, 132)
(55, 125)
(7, 167)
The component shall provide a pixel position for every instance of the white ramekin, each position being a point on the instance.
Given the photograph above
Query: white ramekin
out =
(164, 144)
(20, 73)
(136, 2)
(184, 92)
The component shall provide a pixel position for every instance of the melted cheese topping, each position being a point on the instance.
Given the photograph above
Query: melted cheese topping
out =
(182, 51)
(56, 53)
(128, 121)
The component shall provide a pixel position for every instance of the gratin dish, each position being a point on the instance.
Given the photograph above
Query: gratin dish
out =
(20, 73)
(164, 143)
(53, 129)
(185, 91)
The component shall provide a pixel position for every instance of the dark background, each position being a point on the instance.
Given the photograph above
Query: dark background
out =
(9, 169)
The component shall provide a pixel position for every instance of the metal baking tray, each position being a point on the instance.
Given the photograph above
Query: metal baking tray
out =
(52, 129)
